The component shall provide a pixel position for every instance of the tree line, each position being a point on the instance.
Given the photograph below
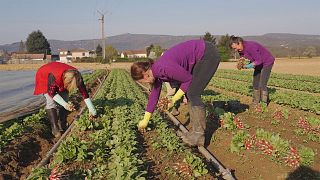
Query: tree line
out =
(37, 43)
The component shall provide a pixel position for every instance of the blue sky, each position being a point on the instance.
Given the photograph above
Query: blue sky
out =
(78, 19)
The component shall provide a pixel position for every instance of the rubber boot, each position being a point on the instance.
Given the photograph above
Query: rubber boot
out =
(264, 96)
(53, 119)
(256, 97)
(175, 111)
(198, 121)
(62, 120)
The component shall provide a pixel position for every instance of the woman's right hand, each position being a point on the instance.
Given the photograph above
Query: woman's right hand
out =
(69, 106)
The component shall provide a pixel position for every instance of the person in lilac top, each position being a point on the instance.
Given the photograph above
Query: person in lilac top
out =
(192, 63)
(261, 60)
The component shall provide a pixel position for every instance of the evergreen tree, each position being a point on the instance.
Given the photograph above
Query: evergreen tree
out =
(37, 43)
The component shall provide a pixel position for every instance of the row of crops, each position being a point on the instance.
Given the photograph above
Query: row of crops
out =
(300, 78)
(294, 99)
(12, 129)
(110, 147)
(294, 84)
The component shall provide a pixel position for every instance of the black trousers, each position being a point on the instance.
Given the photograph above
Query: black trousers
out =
(202, 73)
(261, 76)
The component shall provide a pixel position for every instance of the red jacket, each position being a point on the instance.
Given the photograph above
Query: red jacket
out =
(56, 69)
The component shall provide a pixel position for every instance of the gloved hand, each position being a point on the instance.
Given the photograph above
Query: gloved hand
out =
(175, 98)
(68, 106)
(144, 123)
(249, 66)
(92, 110)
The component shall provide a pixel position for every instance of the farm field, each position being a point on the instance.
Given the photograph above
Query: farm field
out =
(26, 140)
(278, 142)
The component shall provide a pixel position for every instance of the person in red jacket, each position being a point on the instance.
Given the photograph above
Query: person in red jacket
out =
(55, 80)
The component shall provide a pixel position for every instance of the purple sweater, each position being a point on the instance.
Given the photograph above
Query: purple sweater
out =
(175, 64)
(256, 53)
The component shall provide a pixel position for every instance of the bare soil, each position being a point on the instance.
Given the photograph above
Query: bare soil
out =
(288, 66)
(20, 67)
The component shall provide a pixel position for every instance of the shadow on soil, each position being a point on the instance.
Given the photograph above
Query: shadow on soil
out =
(303, 173)
(212, 123)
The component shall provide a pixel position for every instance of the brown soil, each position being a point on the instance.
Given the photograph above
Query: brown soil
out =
(25, 152)
(19, 67)
(249, 164)
(288, 66)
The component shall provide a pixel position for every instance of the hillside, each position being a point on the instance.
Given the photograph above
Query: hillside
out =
(277, 42)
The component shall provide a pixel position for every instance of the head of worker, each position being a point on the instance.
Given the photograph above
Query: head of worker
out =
(71, 80)
(141, 72)
(236, 43)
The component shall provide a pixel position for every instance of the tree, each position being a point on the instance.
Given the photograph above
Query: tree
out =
(111, 53)
(37, 43)
(148, 49)
(224, 49)
(157, 50)
(22, 47)
(99, 50)
(310, 52)
(208, 37)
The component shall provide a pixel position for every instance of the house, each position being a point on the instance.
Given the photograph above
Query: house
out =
(65, 55)
(134, 54)
(20, 58)
(79, 53)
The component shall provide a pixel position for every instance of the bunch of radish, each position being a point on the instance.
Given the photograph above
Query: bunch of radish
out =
(258, 109)
(293, 158)
(55, 174)
(264, 146)
(303, 123)
(248, 143)
(238, 123)
(241, 63)
(278, 115)
(163, 104)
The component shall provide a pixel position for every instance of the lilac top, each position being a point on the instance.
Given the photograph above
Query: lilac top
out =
(175, 64)
(256, 53)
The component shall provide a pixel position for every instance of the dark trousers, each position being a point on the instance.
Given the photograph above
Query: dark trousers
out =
(202, 73)
(261, 76)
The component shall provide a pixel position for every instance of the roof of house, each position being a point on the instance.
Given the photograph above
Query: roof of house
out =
(27, 56)
(79, 50)
(62, 50)
(131, 52)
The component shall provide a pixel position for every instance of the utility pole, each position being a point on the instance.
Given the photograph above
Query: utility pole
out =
(102, 37)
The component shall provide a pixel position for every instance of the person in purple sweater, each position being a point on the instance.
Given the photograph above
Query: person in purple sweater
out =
(192, 63)
(261, 60)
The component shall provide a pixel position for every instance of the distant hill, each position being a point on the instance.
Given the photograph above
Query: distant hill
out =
(275, 41)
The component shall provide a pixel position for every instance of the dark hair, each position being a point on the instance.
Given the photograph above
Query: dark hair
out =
(235, 39)
(138, 68)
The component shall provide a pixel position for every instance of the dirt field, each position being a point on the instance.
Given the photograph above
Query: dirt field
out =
(288, 66)
(20, 67)
(282, 65)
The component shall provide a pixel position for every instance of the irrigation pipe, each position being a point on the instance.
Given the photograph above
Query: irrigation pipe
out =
(226, 173)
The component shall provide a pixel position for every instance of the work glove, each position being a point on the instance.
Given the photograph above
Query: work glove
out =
(175, 98)
(92, 109)
(249, 66)
(68, 106)
(144, 123)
